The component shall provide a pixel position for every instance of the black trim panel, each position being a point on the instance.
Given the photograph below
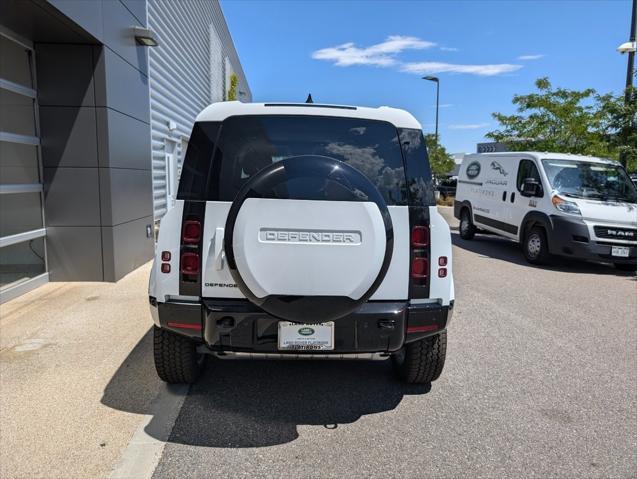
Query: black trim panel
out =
(501, 225)
(182, 318)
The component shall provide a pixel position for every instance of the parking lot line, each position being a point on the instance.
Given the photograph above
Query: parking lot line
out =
(141, 456)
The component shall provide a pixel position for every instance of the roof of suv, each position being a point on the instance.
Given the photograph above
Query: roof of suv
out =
(542, 155)
(222, 110)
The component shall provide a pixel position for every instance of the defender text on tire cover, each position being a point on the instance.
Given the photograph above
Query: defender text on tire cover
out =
(322, 223)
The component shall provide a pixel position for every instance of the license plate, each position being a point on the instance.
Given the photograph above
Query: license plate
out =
(306, 337)
(620, 251)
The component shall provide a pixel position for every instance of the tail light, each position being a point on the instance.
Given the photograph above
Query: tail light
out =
(190, 263)
(420, 236)
(419, 260)
(191, 232)
(190, 252)
(419, 270)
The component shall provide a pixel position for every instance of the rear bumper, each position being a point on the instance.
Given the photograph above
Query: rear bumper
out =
(570, 237)
(239, 326)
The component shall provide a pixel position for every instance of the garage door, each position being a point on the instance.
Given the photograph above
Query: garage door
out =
(22, 231)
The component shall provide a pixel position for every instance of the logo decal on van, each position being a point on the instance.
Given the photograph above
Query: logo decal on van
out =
(499, 168)
(473, 170)
(271, 235)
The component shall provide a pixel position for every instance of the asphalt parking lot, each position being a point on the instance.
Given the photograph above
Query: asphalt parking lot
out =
(540, 381)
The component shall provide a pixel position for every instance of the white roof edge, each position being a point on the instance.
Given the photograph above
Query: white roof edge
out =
(222, 110)
(544, 155)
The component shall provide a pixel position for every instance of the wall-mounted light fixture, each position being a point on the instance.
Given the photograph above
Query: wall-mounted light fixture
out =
(145, 36)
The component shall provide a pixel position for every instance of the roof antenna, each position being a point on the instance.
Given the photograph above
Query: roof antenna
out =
(309, 98)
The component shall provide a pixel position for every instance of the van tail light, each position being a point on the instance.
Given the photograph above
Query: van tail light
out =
(191, 232)
(190, 263)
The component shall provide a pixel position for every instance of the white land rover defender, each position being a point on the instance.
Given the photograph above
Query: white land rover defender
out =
(303, 231)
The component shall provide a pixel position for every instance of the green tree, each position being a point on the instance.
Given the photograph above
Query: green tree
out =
(232, 91)
(555, 119)
(619, 123)
(441, 162)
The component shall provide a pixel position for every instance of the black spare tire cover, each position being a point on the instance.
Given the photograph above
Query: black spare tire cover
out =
(315, 180)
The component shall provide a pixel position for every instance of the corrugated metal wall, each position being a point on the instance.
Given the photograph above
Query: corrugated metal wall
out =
(187, 72)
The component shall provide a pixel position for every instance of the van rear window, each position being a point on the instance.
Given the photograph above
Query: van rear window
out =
(221, 158)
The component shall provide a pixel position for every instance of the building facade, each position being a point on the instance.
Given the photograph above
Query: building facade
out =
(94, 126)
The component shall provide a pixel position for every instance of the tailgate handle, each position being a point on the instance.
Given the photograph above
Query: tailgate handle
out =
(219, 254)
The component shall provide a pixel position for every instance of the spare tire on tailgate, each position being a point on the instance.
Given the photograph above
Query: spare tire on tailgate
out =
(308, 239)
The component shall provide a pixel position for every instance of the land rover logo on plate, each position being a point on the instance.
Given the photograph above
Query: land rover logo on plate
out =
(306, 331)
(473, 169)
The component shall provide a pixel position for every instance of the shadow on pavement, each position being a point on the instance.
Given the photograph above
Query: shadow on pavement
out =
(492, 246)
(244, 403)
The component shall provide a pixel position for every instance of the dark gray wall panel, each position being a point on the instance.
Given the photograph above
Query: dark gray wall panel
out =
(87, 15)
(126, 195)
(71, 197)
(123, 141)
(41, 22)
(75, 253)
(137, 8)
(68, 137)
(118, 35)
(126, 247)
(65, 75)
(120, 86)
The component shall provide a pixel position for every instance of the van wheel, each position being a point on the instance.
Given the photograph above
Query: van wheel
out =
(626, 267)
(535, 246)
(467, 228)
(176, 357)
(421, 362)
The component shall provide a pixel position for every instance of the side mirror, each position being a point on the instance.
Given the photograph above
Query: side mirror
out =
(531, 187)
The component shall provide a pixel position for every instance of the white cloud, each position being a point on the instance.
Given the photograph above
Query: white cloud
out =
(381, 54)
(423, 68)
(449, 49)
(468, 126)
(530, 57)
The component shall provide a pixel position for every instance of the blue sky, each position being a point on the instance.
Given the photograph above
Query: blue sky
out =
(373, 53)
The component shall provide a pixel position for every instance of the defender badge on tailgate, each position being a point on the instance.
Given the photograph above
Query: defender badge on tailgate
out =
(271, 235)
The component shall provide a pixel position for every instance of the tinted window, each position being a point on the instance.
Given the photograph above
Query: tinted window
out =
(417, 168)
(247, 144)
(193, 184)
(526, 170)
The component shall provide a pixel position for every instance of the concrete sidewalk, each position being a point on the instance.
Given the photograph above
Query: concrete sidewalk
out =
(76, 376)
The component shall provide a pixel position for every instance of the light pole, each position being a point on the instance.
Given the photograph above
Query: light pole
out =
(629, 47)
(437, 81)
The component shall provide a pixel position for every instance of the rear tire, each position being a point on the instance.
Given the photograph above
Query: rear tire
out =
(422, 361)
(535, 246)
(626, 267)
(467, 228)
(176, 357)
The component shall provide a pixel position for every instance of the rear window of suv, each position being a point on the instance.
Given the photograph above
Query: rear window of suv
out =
(222, 157)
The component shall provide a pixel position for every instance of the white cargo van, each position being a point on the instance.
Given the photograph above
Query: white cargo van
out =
(552, 203)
